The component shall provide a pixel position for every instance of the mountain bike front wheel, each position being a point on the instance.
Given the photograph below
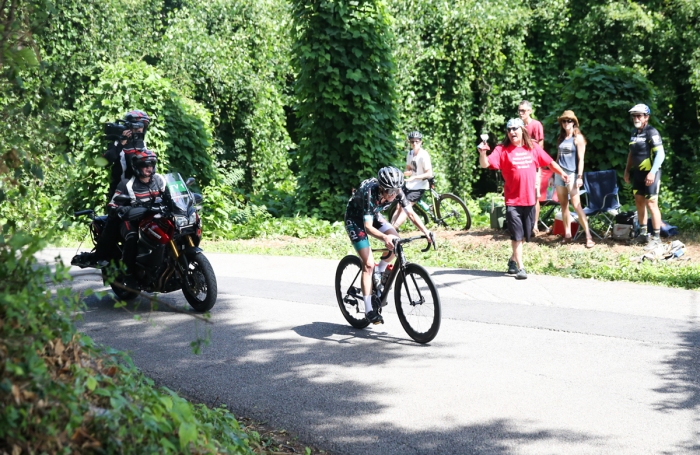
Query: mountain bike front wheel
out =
(348, 291)
(452, 213)
(417, 303)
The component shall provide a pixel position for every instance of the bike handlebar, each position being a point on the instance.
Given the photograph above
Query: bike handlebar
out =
(417, 237)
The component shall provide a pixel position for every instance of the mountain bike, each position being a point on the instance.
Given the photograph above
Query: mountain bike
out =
(446, 210)
(416, 298)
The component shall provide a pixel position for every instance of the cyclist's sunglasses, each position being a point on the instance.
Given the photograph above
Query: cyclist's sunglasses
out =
(392, 191)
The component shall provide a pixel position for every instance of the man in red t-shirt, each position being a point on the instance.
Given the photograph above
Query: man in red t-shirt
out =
(536, 131)
(518, 158)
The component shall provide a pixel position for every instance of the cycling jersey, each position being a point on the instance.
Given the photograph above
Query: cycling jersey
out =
(643, 146)
(365, 204)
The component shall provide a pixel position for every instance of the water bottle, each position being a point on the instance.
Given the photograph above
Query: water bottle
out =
(424, 205)
(377, 279)
(387, 272)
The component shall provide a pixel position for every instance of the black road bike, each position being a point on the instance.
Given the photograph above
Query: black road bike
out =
(446, 210)
(416, 298)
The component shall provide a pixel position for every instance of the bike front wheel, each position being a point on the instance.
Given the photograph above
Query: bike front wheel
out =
(348, 291)
(417, 303)
(452, 213)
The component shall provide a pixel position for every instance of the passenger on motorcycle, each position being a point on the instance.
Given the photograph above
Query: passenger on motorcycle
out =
(119, 155)
(362, 217)
(132, 139)
(141, 189)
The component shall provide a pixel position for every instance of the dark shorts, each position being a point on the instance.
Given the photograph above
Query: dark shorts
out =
(356, 230)
(641, 188)
(412, 195)
(520, 222)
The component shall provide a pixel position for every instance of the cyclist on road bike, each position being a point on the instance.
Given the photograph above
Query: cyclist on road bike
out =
(418, 172)
(362, 217)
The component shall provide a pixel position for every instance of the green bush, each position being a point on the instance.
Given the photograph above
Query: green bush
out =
(61, 394)
(345, 93)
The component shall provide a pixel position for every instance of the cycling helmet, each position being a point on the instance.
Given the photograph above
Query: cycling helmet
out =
(141, 159)
(640, 109)
(138, 119)
(415, 135)
(390, 177)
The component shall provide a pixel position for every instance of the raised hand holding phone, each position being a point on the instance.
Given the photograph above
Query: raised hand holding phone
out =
(484, 145)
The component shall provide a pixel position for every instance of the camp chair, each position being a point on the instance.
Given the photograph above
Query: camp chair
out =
(602, 200)
(547, 206)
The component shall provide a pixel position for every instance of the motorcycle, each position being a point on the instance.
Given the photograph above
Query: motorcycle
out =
(168, 256)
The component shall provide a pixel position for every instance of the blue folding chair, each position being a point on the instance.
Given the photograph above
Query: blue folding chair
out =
(602, 202)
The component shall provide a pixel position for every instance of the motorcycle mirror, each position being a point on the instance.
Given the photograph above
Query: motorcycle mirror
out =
(189, 181)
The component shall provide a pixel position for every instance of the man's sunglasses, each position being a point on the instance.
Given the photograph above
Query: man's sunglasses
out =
(392, 191)
(522, 111)
(414, 141)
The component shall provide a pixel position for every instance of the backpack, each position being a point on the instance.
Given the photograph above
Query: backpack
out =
(625, 226)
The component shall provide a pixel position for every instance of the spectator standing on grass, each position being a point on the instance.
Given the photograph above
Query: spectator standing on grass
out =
(644, 167)
(536, 131)
(418, 172)
(518, 158)
(571, 149)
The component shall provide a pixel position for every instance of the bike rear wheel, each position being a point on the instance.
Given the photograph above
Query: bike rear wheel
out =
(348, 291)
(417, 303)
(452, 213)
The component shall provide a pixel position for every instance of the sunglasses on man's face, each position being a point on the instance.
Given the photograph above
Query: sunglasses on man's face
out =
(522, 111)
(414, 141)
(515, 128)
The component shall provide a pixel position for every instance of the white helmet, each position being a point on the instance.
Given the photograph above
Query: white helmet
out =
(640, 109)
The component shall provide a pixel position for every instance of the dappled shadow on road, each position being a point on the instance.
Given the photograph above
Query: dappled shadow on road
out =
(681, 390)
(474, 273)
(280, 372)
(680, 374)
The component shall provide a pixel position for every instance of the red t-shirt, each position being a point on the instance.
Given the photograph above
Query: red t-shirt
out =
(519, 167)
(535, 130)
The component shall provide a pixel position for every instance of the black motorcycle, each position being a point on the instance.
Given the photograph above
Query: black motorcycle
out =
(168, 256)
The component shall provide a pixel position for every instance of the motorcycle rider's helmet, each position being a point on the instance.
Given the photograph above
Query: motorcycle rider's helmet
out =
(415, 135)
(141, 159)
(138, 119)
(390, 177)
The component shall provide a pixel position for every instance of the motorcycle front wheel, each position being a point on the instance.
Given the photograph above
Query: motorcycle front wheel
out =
(199, 284)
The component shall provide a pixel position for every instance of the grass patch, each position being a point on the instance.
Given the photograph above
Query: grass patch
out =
(486, 249)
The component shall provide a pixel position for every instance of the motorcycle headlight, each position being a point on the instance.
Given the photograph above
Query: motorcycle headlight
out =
(193, 218)
(181, 221)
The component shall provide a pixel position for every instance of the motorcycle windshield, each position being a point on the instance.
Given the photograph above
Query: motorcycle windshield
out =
(179, 194)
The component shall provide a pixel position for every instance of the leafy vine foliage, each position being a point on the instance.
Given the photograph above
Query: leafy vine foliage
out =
(345, 95)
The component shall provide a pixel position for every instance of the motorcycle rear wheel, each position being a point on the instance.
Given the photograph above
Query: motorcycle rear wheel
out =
(199, 285)
(122, 294)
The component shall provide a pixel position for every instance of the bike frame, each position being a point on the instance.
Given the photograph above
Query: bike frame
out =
(401, 262)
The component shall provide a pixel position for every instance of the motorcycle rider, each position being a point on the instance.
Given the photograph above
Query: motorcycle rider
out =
(142, 188)
(118, 155)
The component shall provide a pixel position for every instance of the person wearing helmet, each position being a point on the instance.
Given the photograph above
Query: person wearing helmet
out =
(518, 158)
(644, 171)
(363, 217)
(418, 172)
(133, 138)
(142, 189)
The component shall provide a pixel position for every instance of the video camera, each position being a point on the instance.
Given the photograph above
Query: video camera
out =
(115, 131)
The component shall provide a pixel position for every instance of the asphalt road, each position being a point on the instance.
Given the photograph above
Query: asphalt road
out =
(542, 366)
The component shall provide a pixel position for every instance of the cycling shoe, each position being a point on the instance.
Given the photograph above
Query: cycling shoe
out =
(374, 317)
